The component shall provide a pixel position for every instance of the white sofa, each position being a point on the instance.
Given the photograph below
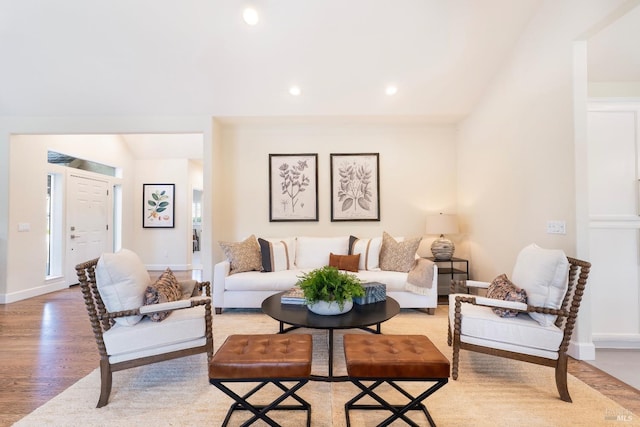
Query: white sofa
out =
(294, 256)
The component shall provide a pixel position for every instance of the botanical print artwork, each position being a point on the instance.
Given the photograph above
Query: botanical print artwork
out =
(293, 182)
(355, 187)
(158, 209)
(293, 187)
(157, 204)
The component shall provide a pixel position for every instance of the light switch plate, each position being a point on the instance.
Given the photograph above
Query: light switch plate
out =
(556, 227)
(24, 226)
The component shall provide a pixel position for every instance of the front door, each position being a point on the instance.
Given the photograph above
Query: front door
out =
(88, 221)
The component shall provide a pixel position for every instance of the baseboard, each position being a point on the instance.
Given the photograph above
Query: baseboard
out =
(173, 267)
(620, 341)
(582, 351)
(50, 286)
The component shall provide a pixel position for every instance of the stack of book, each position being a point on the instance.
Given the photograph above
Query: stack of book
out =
(293, 296)
(373, 292)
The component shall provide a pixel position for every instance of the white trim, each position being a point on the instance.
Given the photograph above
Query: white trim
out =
(620, 341)
(173, 267)
(582, 351)
(51, 285)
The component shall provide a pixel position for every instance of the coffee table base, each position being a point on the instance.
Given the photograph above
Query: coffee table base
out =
(330, 378)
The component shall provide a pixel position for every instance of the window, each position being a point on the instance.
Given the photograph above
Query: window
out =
(54, 225)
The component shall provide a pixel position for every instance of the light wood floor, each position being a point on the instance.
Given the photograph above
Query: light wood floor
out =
(46, 345)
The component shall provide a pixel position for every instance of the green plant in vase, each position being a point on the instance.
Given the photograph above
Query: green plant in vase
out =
(330, 285)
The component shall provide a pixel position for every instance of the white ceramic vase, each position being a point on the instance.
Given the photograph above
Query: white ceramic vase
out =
(329, 308)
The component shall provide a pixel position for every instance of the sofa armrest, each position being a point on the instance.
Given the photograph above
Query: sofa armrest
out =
(220, 272)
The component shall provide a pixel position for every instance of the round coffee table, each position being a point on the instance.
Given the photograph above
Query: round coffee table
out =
(360, 316)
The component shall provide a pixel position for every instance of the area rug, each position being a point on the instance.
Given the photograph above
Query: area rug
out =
(490, 391)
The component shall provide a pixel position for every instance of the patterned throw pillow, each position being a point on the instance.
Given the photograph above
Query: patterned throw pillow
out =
(165, 289)
(275, 255)
(243, 256)
(398, 256)
(502, 288)
(345, 262)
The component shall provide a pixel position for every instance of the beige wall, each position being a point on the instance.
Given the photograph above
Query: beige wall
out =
(417, 174)
(27, 198)
(516, 151)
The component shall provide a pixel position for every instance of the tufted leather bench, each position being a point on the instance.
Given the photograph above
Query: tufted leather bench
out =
(389, 359)
(264, 359)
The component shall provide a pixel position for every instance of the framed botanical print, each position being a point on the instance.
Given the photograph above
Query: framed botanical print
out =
(293, 187)
(355, 187)
(158, 205)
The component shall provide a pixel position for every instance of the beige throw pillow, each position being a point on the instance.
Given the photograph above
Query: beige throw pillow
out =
(243, 256)
(398, 256)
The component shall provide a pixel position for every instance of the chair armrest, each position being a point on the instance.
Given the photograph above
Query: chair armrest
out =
(512, 305)
(492, 302)
(466, 284)
(165, 306)
(220, 272)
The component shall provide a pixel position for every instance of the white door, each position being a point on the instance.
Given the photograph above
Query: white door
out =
(88, 221)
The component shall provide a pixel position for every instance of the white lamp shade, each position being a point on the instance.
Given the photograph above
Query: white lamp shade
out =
(442, 224)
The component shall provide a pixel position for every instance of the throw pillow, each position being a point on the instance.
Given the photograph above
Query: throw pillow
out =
(345, 262)
(275, 255)
(243, 256)
(543, 273)
(369, 250)
(121, 279)
(503, 289)
(165, 289)
(398, 256)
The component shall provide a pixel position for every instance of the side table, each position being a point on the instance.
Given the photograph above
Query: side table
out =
(452, 266)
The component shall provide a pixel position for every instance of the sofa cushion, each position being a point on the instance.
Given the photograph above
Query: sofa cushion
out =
(369, 250)
(165, 289)
(501, 288)
(243, 256)
(522, 331)
(398, 256)
(394, 280)
(345, 262)
(182, 326)
(313, 252)
(275, 255)
(256, 281)
(121, 279)
(543, 274)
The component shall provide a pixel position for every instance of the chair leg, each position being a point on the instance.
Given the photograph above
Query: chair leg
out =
(105, 389)
(561, 378)
(449, 337)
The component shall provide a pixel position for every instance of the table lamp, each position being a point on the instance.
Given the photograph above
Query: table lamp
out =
(442, 248)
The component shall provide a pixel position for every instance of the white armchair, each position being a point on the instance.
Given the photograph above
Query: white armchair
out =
(125, 334)
(541, 331)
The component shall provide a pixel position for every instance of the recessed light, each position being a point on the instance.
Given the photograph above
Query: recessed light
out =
(391, 90)
(295, 90)
(250, 16)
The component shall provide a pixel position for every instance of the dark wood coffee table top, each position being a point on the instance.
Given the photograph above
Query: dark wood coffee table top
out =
(359, 316)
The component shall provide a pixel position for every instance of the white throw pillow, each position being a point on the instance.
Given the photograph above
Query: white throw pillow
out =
(543, 273)
(313, 252)
(369, 250)
(122, 279)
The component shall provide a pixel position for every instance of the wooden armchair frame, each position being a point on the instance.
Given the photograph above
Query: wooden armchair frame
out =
(102, 321)
(567, 314)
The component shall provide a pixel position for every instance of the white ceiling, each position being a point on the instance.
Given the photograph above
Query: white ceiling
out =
(157, 57)
(197, 57)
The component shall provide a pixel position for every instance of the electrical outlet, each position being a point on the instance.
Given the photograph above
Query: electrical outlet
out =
(24, 226)
(556, 227)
